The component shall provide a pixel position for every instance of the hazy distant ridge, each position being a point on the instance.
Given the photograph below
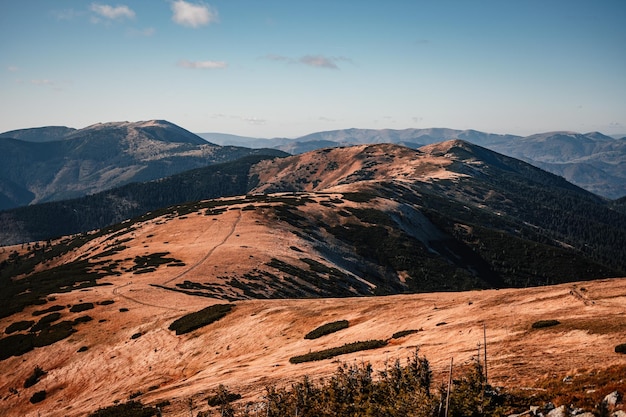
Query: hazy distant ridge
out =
(591, 160)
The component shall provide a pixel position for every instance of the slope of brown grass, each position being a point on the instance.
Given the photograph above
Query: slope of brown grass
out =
(250, 348)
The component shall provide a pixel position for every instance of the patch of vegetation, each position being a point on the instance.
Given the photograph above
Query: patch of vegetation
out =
(150, 263)
(48, 310)
(222, 397)
(354, 390)
(34, 377)
(540, 324)
(16, 345)
(38, 397)
(359, 197)
(123, 310)
(204, 317)
(135, 394)
(19, 326)
(372, 216)
(106, 302)
(327, 328)
(403, 333)
(82, 349)
(83, 319)
(336, 285)
(621, 348)
(45, 322)
(16, 294)
(129, 409)
(136, 336)
(54, 333)
(77, 308)
(336, 351)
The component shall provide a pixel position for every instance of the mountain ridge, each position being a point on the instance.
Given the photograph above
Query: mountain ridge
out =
(595, 161)
(103, 156)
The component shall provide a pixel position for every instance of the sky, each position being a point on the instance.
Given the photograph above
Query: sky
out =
(289, 68)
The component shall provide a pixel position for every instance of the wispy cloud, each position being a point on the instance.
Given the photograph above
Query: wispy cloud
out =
(316, 61)
(114, 13)
(319, 61)
(193, 14)
(255, 121)
(67, 14)
(13, 68)
(42, 82)
(202, 64)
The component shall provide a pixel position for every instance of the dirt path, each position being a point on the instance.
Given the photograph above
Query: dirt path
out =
(210, 252)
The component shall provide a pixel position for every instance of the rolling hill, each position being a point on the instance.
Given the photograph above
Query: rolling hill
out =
(316, 238)
(56, 163)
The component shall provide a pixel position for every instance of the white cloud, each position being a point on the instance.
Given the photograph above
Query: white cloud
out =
(13, 68)
(110, 12)
(192, 15)
(203, 64)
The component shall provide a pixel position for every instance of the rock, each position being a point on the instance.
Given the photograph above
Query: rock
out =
(558, 412)
(612, 399)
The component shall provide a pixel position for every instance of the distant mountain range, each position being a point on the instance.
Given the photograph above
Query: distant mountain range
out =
(56, 163)
(593, 161)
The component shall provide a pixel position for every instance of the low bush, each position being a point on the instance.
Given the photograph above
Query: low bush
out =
(336, 351)
(129, 409)
(206, 316)
(19, 326)
(16, 345)
(38, 397)
(34, 377)
(77, 308)
(45, 321)
(545, 323)
(136, 336)
(222, 396)
(54, 333)
(83, 319)
(402, 333)
(106, 302)
(621, 348)
(327, 328)
(82, 349)
(50, 309)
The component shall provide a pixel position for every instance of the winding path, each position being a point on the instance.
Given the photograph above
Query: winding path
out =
(182, 274)
(210, 252)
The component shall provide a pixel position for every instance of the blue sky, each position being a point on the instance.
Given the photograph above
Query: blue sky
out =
(289, 68)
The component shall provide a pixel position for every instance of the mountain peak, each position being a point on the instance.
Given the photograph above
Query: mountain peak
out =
(160, 130)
